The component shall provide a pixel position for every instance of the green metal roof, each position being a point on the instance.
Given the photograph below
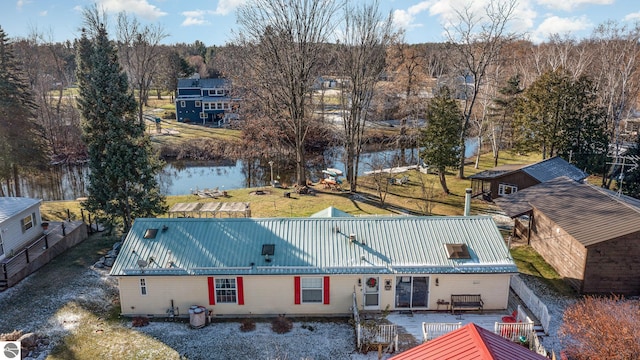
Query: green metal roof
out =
(342, 245)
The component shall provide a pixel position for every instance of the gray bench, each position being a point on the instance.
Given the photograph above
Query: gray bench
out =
(466, 302)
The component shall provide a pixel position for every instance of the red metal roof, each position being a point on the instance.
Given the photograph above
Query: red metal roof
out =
(470, 342)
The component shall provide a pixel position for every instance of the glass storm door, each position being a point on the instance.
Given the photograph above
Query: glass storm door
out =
(371, 290)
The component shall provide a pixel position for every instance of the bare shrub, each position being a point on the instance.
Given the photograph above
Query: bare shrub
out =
(281, 325)
(140, 321)
(247, 325)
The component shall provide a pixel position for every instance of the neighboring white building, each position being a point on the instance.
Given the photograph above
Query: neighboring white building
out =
(20, 223)
(310, 266)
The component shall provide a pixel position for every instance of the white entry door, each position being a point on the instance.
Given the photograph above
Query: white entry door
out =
(371, 291)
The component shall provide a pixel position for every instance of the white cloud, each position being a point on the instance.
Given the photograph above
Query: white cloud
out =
(21, 3)
(227, 6)
(43, 13)
(405, 19)
(568, 5)
(558, 25)
(196, 17)
(141, 8)
(632, 17)
(522, 19)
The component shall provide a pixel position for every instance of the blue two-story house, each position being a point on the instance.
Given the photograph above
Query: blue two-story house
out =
(204, 101)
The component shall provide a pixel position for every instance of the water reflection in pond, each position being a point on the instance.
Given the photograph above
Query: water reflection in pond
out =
(69, 182)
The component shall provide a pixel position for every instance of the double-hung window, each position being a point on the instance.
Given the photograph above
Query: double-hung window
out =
(183, 103)
(27, 222)
(311, 288)
(226, 290)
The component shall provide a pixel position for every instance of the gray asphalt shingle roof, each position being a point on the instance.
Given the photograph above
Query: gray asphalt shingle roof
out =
(542, 171)
(10, 206)
(588, 213)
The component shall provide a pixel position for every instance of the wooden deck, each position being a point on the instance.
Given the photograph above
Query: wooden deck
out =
(55, 240)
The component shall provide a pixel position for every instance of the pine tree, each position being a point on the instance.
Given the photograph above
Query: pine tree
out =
(502, 115)
(439, 139)
(123, 171)
(21, 145)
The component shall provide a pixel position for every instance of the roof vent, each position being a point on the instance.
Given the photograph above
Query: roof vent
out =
(268, 249)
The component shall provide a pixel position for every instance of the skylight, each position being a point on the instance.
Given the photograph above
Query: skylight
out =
(458, 251)
(150, 234)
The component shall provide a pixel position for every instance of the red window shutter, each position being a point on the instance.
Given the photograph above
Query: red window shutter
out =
(326, 290)
(212, 290)
(296, 290)
(239, 285)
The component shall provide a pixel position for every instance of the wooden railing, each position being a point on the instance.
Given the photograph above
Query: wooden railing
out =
(431, 331)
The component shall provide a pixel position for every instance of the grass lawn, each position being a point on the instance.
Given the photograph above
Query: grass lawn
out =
(92, 330)
(531, 263)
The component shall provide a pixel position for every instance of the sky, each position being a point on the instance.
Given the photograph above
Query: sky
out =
(212, 21)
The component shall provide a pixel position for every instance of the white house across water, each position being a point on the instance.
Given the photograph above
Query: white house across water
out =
(310, 266)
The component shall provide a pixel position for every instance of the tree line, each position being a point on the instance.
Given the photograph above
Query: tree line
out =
(562, 97)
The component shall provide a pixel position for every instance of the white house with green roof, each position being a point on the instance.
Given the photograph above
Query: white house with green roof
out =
(19, 223)
(310, 266)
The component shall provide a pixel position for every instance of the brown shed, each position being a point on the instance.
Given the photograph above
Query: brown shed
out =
(590, 235)
(508, 179)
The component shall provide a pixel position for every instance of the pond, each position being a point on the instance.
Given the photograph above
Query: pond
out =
(69, 182)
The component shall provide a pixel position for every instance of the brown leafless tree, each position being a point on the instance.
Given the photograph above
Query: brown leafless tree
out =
(601, 328)
(616, 71)
(139, 52)
(279, 42)
(406, 64)
(361, 57)
(478, 40)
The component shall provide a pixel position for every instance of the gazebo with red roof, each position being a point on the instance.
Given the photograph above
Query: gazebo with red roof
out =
(470, 342)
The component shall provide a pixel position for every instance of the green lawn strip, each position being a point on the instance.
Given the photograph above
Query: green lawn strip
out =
(531, 263)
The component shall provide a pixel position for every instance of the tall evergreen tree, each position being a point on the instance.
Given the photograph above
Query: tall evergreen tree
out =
(561, 117)
(21, 145)
(439, 139)
(123, 182)
(502, 115)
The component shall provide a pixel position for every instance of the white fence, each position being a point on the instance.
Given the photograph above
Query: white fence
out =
(374, 334)
(533, 303)
(431, 331)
